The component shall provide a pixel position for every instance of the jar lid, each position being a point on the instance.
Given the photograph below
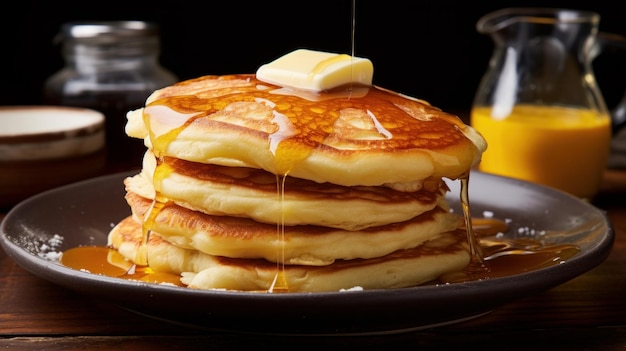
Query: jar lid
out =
(106, 31)
(104, 39)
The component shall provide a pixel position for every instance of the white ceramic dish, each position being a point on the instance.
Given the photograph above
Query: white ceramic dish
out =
(42, 147)
(44, 132)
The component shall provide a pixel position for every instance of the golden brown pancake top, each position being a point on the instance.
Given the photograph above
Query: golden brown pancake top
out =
(313, 136)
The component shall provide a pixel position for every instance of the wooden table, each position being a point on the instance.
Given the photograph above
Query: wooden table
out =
(586, 313)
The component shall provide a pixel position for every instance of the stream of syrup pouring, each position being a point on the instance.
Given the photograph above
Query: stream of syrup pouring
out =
(490, 256)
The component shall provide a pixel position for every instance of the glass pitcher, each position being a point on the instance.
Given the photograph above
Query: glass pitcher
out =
(538, 105)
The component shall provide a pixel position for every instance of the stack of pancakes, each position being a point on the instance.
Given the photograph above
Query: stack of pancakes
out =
(250, 186)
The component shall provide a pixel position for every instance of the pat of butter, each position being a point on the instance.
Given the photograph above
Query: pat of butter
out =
(316, 70)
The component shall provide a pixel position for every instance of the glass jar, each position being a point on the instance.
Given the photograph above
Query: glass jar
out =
(112, 67)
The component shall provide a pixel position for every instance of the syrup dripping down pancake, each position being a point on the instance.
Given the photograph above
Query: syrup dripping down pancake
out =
(302, 244)
(252, 193)
(370, 136)
(403, 268)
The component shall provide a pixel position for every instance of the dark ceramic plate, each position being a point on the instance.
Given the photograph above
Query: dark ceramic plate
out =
(83, 213)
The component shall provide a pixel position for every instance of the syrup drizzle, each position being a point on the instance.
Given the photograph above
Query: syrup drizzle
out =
(279, 284)
(161, 172)
(492, 256)
(352, 43)
(353, 26)
(476, 255)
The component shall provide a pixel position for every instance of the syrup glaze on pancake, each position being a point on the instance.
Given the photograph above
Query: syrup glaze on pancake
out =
(367, 136)
(403, 268)
(250, 192)
(303, 244)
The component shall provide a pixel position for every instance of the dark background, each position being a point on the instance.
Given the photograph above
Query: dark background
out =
(427, 49)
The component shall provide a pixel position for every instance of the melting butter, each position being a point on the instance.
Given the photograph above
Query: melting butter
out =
(316, 70)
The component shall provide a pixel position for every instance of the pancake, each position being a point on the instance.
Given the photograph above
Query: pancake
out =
(302, 244)
(252, 193)
(365, 136)
(446, 253)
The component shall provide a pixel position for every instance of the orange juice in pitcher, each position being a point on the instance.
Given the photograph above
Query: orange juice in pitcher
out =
(538, 105)
(565, 148)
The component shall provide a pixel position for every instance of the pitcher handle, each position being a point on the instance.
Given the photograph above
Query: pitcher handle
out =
(611, 40)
